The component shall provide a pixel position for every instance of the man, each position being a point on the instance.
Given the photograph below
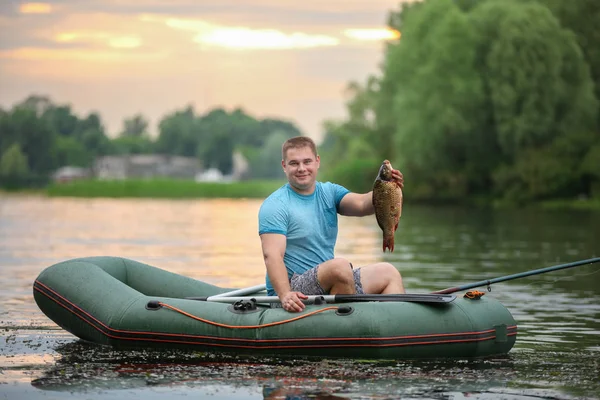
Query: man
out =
(298, 228)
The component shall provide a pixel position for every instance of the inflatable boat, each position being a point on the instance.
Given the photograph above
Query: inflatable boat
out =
(124, 303)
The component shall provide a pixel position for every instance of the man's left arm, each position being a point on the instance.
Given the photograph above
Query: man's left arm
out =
(360, 205)
(357, 205)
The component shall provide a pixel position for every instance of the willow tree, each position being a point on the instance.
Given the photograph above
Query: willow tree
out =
(539, 98)
(582, 18)
(434, 102)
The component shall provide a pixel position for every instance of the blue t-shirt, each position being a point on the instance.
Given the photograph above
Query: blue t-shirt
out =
(309, 222)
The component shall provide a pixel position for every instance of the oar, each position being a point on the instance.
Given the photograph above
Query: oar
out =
(243, 292)
(488, 282)
(339, 298)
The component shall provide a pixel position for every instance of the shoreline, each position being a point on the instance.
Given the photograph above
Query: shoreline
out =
(190, 190)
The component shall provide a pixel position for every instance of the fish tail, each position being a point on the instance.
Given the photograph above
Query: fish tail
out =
(388, 243)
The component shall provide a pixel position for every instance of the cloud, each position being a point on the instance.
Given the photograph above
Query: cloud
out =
(109, 39)
(35, 8)
(43, 54)
(151, 56)
(376, 34)
(209, 34)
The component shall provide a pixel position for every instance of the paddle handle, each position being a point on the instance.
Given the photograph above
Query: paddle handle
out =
(243, 292)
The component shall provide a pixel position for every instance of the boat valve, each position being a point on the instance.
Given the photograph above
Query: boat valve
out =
(245, 305)
(153, 305)
(344, 310)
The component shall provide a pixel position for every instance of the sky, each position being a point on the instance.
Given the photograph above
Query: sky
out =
(282, 59)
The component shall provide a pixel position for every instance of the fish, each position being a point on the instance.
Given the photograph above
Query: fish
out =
(387, 201)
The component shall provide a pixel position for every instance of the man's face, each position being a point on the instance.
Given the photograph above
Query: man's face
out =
(300, 166)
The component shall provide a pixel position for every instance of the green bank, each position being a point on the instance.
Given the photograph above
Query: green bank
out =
(188, 189)
(164, 188)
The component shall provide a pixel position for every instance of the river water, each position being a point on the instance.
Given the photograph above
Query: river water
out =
(558, 314)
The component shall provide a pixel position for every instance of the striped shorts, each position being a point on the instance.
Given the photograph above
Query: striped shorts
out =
(308, 284)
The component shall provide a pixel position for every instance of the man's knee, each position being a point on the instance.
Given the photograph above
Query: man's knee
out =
(383, 271)
(390, 271)
(338, 269)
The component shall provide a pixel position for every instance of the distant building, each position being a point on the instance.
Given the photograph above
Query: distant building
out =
(70, 173)
(239, 171)
(211, 175)
(146, 166)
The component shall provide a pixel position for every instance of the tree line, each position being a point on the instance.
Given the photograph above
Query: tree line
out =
(479, 99)
(38, 136)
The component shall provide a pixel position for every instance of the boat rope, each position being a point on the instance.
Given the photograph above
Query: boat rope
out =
(246, 326)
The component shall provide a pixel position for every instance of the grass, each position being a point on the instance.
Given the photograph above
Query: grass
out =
(578, 204)
(164, 188)
(188, 189)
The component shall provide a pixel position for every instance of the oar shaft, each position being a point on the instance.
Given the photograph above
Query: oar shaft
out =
(340, 298)
(243, 291)
(519, 275)
(263, 299)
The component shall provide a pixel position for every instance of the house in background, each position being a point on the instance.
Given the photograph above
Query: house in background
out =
(239, 171)
(146, 166)
(70, 173)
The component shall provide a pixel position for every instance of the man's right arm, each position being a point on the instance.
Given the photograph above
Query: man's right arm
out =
(273, 248)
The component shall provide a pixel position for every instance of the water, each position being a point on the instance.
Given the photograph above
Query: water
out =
(558, 313)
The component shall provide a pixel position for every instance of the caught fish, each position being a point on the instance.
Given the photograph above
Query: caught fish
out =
(387, 201)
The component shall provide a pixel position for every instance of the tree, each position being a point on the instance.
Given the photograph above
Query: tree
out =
(582, 18)
(34, 137)
(132, 145)
(13, 164)
(539, 98)
(71, 152)
(135, 126)
(179, 133)
(431, 98)
(61, 120)
(265, 161)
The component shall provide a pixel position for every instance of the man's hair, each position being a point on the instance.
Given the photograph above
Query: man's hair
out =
(296, 143)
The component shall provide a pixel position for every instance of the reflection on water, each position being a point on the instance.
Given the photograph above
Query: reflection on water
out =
(84, 367)
(216, 241)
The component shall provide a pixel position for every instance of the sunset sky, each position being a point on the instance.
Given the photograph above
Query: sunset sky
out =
(273, 58)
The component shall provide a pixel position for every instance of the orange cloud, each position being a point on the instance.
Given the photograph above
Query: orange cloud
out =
(109, 39)
(40, 54)
(35, 8)
(244, 38)
(372, 34)
(210, 34)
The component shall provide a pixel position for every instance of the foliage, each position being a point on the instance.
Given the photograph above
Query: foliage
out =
(132, 145)
(69, 151)
(581, 17)
(13, 166)
(356, 175)
(487, 98)
(135, 127)
(266, 160)
(50, 136)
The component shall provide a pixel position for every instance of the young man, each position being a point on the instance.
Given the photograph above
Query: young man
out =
(298, 228)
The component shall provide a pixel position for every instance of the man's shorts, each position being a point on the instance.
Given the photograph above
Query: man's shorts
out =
(308, 284)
